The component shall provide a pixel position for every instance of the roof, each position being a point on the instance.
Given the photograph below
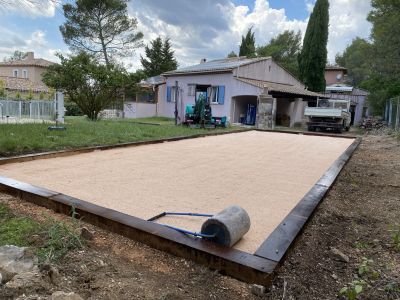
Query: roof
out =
(339, 88)
(219, 65)
(29, 61)
(23, 84)
(156, 80)
(282, 88)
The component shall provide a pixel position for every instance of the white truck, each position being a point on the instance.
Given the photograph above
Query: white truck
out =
(329, 114)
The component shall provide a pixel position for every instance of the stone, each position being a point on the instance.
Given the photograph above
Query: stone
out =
(54, 275)
(15, 259)
(59, 295)
(258, 290)
(24, 280)
(5, 276)
(340, 256)
(87, 234)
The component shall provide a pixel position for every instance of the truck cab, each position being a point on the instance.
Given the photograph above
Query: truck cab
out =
(329, 114)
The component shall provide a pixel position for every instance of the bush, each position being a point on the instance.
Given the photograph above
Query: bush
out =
(72, 109)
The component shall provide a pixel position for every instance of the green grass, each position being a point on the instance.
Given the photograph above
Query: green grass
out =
(51, 239)
(16, 139)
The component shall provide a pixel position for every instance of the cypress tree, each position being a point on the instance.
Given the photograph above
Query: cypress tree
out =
(313, 57)
(248, 47)
(159, 58)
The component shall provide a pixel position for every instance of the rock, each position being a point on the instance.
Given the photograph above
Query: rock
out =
(5, 276)
(59, 295)
(24, 280)
(54, 275)
(338, 255)
(87, 234)
(258, 290)
(334, 276)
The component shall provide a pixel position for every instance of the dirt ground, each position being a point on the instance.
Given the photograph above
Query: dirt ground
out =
(354, 218)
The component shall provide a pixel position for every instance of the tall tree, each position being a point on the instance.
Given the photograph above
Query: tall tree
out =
(385, 61)
(100, 27)
(232, 54)
(313, 57)
(247, 47)
(159, 58)
(17, 55)
(91, 86)
(357, 59)
(284, 49)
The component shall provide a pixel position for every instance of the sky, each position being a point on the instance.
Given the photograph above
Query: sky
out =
(197, 28)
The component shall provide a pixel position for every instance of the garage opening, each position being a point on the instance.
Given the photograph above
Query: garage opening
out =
(244, 110)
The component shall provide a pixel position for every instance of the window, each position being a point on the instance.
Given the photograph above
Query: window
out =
(24, 73)
(15, 73)
(171, 93)
(213, 92)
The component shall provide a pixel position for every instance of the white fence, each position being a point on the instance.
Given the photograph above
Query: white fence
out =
(15, 111)
(392, 113)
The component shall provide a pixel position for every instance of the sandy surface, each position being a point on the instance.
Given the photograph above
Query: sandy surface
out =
(265, 173)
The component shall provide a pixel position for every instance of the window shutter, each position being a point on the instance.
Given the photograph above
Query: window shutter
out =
(169, 91)
(221, 94)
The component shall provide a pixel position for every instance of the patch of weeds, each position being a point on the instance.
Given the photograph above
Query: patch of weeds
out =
(5, 212)
(361, 245)
(16, 231)
(352, 290)
(393, 288)
(395, 236)
(366, 269)
(59, 238)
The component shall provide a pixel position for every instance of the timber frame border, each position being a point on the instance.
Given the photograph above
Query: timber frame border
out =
(252, 268)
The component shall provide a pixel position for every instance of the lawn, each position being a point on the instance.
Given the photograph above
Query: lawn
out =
(16, 139)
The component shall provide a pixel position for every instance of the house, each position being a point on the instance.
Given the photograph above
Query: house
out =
(232, 85)
(336, 88)
(358, 100)
(23, 78)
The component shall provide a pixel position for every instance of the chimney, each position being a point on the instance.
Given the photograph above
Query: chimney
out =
(30, 55)
(203, 60)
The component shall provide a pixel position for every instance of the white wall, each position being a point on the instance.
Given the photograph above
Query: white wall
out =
(140, 110)
(233, 88)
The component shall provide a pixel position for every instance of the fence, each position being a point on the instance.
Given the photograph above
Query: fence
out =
(15, 110)
(392, 113)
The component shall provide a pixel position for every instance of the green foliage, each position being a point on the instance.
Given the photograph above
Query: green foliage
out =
(2, 89)
(232, 54)
(17, 55)
(284, 49)
(18, 95)
(93, 87)
(159, 58)
(352, 290)
(27, 138)
(357, 59)
(30, 95)
(5, 212)
(72, 109)
(41, 96)
(247, 47)
(59, 239)
(361, 245)
(100, 28)
(313, 57)
(395, 236)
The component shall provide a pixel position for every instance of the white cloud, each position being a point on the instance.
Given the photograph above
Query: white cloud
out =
(36, 41)
(211, 29)
(31, 8)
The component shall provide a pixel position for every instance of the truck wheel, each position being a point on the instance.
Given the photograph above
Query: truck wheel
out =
(340, 130)
(347, 128)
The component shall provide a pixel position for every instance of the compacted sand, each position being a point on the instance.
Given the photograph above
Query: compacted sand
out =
(265, 173)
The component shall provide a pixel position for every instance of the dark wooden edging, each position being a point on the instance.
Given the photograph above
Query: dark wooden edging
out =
(277, 244)
(241, 265)
(69, 152)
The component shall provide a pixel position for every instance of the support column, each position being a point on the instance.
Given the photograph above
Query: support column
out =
(296, 114)
(266, 111)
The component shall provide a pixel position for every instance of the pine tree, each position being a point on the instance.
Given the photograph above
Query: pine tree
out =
(248, 47)
(313, 57)
(159, 58)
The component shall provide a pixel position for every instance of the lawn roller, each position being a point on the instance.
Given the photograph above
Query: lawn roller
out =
(225, 228)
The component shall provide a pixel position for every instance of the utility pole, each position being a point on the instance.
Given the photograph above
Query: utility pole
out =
(176, 102)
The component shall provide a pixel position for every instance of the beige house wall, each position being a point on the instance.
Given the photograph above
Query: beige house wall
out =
(34, 73)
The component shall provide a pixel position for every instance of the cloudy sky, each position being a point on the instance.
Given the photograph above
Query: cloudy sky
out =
(197, 28)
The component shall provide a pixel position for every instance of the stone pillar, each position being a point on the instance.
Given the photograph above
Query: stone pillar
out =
(297, 113)
(266, 111)
(60, 110)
